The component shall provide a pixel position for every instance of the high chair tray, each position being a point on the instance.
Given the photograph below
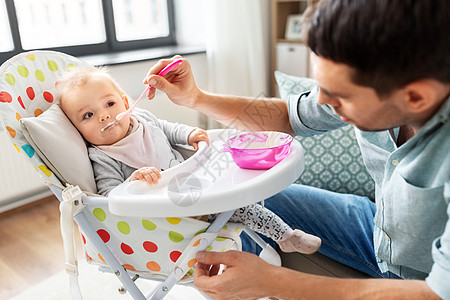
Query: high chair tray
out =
(208, 182)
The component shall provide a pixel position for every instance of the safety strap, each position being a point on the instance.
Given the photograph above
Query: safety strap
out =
(199, 243)
(70, 207)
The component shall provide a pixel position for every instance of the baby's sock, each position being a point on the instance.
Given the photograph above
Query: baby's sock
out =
(299, 241)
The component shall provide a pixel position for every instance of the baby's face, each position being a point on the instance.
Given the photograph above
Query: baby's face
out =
(93, 105)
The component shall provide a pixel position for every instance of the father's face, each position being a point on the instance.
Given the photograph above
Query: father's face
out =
(355, 104)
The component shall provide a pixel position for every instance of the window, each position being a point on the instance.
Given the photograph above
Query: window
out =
(59, 23)
(6, 41)
(83, 27)
(133, 22)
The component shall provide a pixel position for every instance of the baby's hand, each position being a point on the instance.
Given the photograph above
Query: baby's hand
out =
(196, 136)
(148, 174)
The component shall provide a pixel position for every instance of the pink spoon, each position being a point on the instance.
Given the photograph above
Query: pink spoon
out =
(131, 109)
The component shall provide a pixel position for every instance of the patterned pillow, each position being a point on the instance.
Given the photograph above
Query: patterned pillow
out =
(333, 160)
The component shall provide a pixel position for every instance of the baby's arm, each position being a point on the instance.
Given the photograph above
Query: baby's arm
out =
(196, 136)
(108, 172)
(149, 174)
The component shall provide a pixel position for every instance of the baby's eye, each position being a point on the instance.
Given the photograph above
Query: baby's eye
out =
(110, 103)
(87, 115)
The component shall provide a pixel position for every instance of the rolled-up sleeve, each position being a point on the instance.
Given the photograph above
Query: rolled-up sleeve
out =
(439, 278)
(308, 118)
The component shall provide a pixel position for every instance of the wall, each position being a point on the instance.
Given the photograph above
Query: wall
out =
(19, 182)
(130, 77)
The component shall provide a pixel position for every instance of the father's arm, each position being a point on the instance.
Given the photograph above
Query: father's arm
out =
(247, 277)
(244, 113)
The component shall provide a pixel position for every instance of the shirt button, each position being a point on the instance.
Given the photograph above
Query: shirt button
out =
(395, 162)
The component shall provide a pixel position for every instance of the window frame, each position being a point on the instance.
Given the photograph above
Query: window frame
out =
(111, 45)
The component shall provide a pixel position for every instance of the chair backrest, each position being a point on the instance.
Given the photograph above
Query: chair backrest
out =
(27, 89)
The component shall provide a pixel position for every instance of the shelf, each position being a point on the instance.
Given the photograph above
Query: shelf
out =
(282, 1)
(291, 41)
(281, 9)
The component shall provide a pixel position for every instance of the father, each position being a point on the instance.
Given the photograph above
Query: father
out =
(384, 67)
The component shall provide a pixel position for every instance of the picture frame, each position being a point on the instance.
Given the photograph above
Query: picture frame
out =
(294, 27)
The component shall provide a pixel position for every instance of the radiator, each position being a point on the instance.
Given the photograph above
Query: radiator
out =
(19, 181)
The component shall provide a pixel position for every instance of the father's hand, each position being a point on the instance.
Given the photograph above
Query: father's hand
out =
(246, 276)
(178, 84)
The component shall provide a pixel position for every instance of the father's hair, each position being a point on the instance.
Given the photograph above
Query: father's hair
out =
(389, 43)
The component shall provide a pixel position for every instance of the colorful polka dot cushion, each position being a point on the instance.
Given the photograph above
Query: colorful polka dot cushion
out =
(27, 89)
(149, 247)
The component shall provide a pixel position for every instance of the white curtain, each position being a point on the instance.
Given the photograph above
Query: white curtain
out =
(237, 38)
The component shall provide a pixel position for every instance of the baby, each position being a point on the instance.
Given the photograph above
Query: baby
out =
(140, 146)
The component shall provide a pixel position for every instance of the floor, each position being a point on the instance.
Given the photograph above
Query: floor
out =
(30, 246)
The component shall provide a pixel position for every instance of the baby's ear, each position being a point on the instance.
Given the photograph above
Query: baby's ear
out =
(125, 100)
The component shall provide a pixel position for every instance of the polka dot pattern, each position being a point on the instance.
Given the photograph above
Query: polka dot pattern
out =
(192, 262)
(104, 235)
(52, 65)
(123, 227)
(40, 75)
(30, 93)
(173, 221)
(153, 266)
(10, 79)
(150, 247)
(28, 150)
(101, 258)
(5, 97)
(175, 236)
(23, 71)
(129, 267)
(149, 225)
(174, 255)
(126, 249)
(11, 131)
(48, 97)
(19, 99)
(38, 112)
(99, 214)
(27, 86)
(45, 170)
(154, 245)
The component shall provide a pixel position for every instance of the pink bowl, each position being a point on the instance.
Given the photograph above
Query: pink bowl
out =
(259, 150)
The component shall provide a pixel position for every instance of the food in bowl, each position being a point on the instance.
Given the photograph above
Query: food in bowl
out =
(259, 150)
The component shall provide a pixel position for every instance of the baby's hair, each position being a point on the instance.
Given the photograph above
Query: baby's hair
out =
(79, 76)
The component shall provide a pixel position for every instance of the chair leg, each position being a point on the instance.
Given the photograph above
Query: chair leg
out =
(164, 288)
(110, 259)
(107, 255)
(268, 253)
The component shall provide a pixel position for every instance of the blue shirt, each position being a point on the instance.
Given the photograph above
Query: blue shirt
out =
(412, 190)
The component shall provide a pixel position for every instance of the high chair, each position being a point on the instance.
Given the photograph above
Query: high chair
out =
(137, 231)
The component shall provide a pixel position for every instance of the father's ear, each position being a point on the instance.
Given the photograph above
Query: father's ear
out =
(125, 100)
(422, 95)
